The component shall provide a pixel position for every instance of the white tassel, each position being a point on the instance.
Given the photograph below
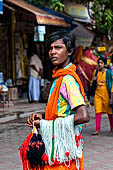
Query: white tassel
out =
(64, 139)
(77, 164)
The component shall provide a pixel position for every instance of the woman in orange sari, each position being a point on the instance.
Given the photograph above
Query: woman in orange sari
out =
(66, 109)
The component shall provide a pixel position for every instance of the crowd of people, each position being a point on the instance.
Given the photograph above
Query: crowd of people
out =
(96, 69)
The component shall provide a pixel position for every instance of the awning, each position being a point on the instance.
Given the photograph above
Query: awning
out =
(66, 17)
(83, 35)
(42, 16)
(82, 31)
(7, 6)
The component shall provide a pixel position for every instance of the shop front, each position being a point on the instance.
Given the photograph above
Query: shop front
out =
(24, 25)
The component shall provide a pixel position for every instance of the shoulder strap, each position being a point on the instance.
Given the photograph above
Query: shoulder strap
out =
(109, 80)
(96, 72)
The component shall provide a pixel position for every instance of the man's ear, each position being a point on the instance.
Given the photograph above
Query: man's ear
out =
(70, 52)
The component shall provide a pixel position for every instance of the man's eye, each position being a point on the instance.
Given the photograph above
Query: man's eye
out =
(50, 48)
(58, 47)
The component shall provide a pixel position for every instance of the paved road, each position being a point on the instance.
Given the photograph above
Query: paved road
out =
(98, 150)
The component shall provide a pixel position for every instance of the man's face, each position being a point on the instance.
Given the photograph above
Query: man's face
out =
(101, 65)
(58, 54)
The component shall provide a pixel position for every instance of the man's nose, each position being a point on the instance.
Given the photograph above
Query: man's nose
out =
(53, 50)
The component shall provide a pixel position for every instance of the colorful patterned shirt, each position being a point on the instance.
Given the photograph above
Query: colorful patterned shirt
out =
(69, 97)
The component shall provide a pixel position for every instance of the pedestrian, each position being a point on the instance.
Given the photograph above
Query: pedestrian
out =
(35, 73)
(66, 109)
(103, 98)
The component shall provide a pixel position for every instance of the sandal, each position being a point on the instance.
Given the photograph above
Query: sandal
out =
(95, 133)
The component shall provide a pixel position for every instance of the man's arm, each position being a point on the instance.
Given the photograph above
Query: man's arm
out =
(81, 115)
(34, 67)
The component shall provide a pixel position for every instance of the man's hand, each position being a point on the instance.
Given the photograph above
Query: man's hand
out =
(34, 119)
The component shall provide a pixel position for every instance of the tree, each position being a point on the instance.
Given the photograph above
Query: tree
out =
(103, 15)
(102, 12)
(53, 4)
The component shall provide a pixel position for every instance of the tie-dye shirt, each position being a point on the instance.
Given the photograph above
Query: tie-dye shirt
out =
(69, 97)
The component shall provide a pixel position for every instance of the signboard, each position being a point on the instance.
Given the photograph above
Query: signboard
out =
(39, 32)
(41, 29)
(77, 10)
(1, 6)
(101, 49)
(45, 20)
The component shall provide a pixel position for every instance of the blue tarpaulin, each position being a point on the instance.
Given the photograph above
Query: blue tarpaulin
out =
(1, 6)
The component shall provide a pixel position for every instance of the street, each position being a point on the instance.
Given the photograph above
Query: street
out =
(98, 150)
(62, 45)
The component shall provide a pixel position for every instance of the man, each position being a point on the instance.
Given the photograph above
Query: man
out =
(35, 71)
(66, 110)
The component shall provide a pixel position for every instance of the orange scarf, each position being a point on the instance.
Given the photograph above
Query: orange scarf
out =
(51, 109)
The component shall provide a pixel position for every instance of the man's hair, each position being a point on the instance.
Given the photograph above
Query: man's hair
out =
(67, 38)
(34, 49)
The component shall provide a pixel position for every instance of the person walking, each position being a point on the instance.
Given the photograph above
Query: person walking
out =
(66, 109)
(35, 73)
(103, 98)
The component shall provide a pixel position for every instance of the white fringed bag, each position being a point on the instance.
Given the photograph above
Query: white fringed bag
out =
(64, 139)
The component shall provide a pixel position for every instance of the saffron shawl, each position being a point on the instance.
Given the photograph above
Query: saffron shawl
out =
(51, 112)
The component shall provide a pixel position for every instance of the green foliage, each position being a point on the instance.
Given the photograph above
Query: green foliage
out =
(53, 4)
(57, 5)
(103, 15)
